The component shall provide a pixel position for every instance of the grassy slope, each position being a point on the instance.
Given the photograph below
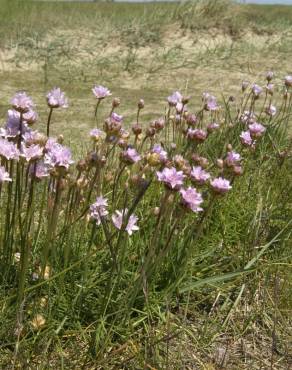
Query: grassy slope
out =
(147, 51)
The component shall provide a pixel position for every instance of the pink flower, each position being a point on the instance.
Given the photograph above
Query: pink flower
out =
(98, 209)
(288, 81)
(4, 176)
(247, 117)
(191, 119)
(8, 150)
(271, 110)
(256, 129)
(39, 170)
(212, 127)
(56, 98)
(116, 118)
(244, 85)
(270, 88)
(31, 152)
(101, 92)
(246, 138)
(257, 90)
(269, 75)
(118, 219)
(130, 156)
(232, 158)
(210, 102)
(21, 102)
(220, 185)
(160, 151)
(191, 199)
(95, 134)
(30, 117)
(58, 155)
(199, 175)
(172, 178)
(197, 134)
(174, 99)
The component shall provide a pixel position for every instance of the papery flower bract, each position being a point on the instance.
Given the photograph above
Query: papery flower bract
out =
(172, 178)
(220, 185)
(288, 81)
(31, 152)
(130, 156)
(199, 175)
(271, 110)
(246, 139)
(118, 219)
(4, 175)
(101, 92)
(232, 158)
(174, 99)
(56, 98)
(8, 150)
(257, 90)
(21, 102)
(191, 199)
(256, 129)
(98, 209)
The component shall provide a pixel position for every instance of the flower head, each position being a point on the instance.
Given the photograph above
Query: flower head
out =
(39, 170)
(199, 175)
(21, 102)
(157, 149)
(174, 99)
(191, 199)
(246, 139)
(257, 90)
(247, 117)
(56, 98)
(4, 175)
(118, 220)
(30, 117)
(95, 134)
(172, 178)
(232, 158)
(8, 150)
(130, 156)
(197, 134)
(288, 81)
(271, 110)
(98, 209)
(58, 155)
(210, 102)
(269, 75)
(101, 92)
(31, 152)
(256, 129)
(213, 126)
(220, 185)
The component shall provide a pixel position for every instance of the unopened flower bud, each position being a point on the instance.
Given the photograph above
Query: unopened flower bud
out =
(141, 104)
(150, 132)
(116, 102)
(60, 139)
(185, 100)
(220, 163)
(204, 163)
(156, 211)
(229, 147)
(137, 129)
(237, 170)
(81, 165)
(269, 76)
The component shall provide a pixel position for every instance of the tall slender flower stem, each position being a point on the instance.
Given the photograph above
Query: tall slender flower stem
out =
(49, 121)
